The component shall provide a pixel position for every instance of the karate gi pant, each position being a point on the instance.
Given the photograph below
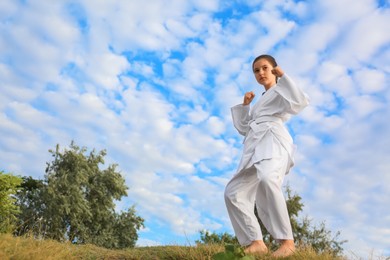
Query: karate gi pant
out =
(260, 184)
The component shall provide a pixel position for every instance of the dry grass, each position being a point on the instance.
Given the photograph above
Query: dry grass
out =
(29, 248)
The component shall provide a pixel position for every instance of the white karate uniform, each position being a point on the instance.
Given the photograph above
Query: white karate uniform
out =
(267, 157)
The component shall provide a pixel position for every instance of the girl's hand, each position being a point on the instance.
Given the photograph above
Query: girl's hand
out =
(248, 97)
(277, 71)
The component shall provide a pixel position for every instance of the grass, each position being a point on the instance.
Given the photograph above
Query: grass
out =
(29, 248)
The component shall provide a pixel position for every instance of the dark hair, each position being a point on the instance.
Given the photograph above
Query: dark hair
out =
(267, 57)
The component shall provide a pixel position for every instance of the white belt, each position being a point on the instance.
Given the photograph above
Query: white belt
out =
(256, 126)
(263, 119)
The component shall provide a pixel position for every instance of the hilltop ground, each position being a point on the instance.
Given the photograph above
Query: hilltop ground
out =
(29, 248)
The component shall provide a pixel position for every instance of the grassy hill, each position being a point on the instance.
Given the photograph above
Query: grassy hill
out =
(29, 248)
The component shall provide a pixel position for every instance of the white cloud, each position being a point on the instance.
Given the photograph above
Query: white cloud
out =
(103, 69)
(370, 81)
(365, 38)
(193, 72)
(141, 25)
(197, 115)
(215, 126)
(179, 28)
(334, 10)
(199, 22)
(13, 88)
(361, 106)
(276, 29)
(329, 71)
(206, 5)
(171, 68)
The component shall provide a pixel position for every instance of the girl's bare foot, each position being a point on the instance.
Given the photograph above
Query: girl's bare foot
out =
(287, 248)
(257, 247)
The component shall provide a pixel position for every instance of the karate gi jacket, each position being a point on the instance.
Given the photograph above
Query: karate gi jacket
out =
(263, 123)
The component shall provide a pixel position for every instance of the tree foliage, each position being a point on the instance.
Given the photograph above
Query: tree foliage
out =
(305, 233)
(207, 237)
(31, 201)
(76, 201)
(8, 209)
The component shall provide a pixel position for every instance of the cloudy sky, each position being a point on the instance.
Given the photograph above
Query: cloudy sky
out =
(152, 82)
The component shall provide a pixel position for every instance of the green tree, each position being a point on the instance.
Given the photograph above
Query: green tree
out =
(305, 233)
(207, 237)
(125, 228)
(76, 201)
(30, 199)
(8, 209)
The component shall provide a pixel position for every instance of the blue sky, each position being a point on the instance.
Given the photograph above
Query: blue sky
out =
(152, 82)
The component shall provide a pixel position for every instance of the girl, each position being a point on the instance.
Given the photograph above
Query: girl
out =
(267, 157)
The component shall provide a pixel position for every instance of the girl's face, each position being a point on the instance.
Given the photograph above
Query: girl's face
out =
(263, 73)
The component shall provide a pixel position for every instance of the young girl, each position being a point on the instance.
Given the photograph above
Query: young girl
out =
(267, 157)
